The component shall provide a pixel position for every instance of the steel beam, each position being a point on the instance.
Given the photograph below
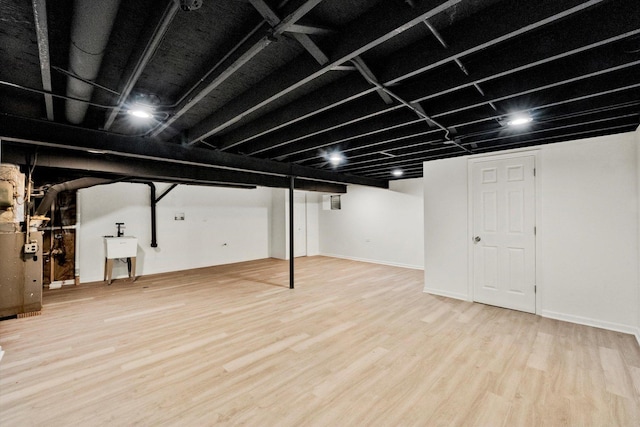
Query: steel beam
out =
(147, 170)
(71, 137)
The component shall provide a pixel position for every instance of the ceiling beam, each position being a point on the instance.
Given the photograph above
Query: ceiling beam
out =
(611, 99)
(152, 37)
(500, 23)
(245, 52)
(305, 41)
(583, 67)
(555, 130)
(310, 29)
(539, 82)
(42, 35)
(311, 47)
(319, 101)
(373, 28)
(589, 133)
(136, 169)
(569, 40)
(340, 117)
(36, 132)
(383, 135)
(368, 75)
(384, 129)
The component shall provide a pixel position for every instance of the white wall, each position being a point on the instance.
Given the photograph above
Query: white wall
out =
(638, 261)
(445, 227)
(280, 223)
(314, 204)
(221, 226)
(376, 225)
(587, 265)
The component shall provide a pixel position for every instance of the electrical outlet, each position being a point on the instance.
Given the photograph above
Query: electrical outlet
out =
(30, 248)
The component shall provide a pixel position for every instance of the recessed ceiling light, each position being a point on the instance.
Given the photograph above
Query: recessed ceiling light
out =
(519, 120)
(397, 172)
(140, 113)
(336, 158)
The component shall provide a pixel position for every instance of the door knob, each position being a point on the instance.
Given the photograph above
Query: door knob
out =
(476, 239)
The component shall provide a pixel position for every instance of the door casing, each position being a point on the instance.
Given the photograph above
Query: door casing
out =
(539, 232)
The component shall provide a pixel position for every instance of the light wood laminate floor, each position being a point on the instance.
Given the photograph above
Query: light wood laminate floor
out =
(353, 344)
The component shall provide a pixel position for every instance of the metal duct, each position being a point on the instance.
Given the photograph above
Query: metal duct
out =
(90, 30)
(75, 184)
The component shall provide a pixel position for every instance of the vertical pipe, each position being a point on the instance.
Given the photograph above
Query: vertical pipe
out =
(291, 229)
(52, 239)
(77, 242)
(154, 242)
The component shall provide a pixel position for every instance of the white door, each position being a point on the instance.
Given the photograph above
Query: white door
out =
(503, 197)
(300, 224)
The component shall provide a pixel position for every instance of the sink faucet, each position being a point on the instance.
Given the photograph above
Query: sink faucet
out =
(120, 226)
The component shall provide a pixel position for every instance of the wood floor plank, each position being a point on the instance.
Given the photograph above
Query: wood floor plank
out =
(354, 344)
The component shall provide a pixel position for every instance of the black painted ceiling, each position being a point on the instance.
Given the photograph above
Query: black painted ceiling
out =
(271, 88)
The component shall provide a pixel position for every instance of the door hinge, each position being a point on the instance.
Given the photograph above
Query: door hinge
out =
(534, 171)
(535, 289)
(535, 230)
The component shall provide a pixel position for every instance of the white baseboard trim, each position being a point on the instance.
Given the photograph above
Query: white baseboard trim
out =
(638, 335)
(373, 261)
(612, 326)
(442, 293)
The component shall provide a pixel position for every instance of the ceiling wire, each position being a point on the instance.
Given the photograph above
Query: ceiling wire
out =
(87, 81)
(55, 95)
(428, 119)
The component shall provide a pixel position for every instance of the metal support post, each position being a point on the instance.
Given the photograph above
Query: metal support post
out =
(291, 229)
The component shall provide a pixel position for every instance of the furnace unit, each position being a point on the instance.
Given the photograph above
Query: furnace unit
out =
(20, 249)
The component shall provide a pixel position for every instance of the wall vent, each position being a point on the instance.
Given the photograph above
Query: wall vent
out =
(331, 202)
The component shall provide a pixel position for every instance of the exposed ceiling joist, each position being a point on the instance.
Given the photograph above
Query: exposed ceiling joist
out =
(584, 68)
(138, 62)
(511, 20)
(568, 42)
(310, 29)
(281, 84)
(371, 30)
(239, 58)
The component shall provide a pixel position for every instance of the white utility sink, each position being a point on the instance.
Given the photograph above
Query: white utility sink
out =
(121, 247)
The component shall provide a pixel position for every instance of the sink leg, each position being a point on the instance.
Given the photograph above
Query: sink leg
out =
(132, 267)
(108, 271)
